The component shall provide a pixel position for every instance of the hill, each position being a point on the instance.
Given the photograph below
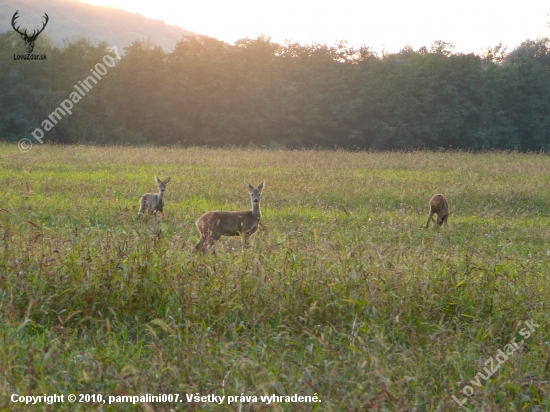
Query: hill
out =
(70, 19)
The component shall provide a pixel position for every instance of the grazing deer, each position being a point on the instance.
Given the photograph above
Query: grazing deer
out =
(154, 202)
(213, 225)
(439, 206)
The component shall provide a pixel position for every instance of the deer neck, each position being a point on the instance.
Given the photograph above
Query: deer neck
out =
(161, 195)
(256, 212)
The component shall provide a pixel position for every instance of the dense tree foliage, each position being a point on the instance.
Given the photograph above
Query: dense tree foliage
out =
(257, 92)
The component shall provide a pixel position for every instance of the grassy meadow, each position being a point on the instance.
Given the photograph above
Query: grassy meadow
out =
(342, 294)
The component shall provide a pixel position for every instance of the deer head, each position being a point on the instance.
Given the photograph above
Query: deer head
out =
(29, 40)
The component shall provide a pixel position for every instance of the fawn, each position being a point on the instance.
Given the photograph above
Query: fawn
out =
(439, 206)
(213, 225)
(154, 202)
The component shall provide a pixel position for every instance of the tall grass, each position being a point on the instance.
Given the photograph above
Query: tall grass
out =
(342, 293)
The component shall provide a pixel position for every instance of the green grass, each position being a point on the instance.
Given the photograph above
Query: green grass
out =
(342, 293)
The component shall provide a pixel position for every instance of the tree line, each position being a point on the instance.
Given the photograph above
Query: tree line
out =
(257, 92)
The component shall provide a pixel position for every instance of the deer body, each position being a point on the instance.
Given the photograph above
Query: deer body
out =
(439, 206)
(213, 225)
(154, 202)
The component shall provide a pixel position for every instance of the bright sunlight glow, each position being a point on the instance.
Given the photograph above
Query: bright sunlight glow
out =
(383, 25)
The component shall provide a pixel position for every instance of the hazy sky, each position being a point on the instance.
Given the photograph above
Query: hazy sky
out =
(384, 24)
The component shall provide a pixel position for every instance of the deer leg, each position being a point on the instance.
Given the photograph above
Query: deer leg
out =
(201, 245)
(430, 217)
(249, 233)
(155, 214)
(209, 246)
(142, 205)
(212, 238)
(206, 241)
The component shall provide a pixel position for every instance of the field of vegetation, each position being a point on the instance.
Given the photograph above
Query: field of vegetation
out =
(342, 294)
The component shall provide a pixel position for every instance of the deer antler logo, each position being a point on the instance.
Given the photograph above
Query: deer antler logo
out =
(29, 40)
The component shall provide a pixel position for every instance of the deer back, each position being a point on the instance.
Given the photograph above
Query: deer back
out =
(439, 205)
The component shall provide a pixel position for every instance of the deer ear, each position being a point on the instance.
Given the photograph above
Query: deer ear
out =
(157, 179)
(261, 186)
(249, 186)
(166, 180)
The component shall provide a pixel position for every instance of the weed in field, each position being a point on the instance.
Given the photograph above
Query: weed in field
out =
(343, 293)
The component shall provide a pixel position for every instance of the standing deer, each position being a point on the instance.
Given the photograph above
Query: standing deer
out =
(29, 40)
(213, 225)
(439, 206)
(154, 202)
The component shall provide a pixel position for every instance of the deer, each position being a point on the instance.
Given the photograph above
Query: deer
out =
(29, 40)
(154, 202)
(213, 225)
(439, 206)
